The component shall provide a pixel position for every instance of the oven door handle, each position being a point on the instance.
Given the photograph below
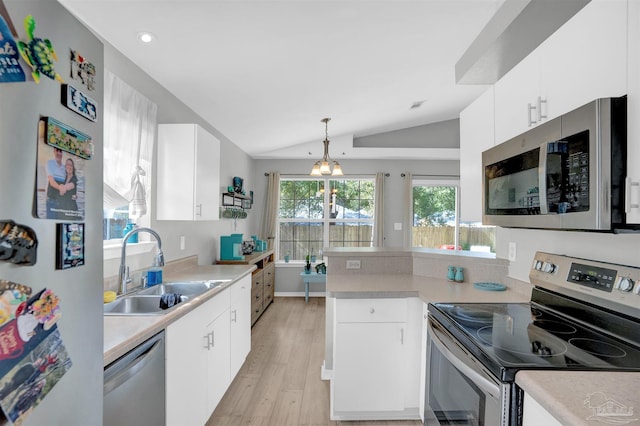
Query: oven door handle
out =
(482, 382)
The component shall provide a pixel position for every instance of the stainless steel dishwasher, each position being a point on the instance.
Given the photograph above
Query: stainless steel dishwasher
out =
(134, 391)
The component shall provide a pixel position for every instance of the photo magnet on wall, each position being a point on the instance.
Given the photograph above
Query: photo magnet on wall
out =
(60, 178)
(69, 245)
(78, 102)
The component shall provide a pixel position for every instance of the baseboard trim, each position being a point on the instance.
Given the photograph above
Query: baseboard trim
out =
(299, 294)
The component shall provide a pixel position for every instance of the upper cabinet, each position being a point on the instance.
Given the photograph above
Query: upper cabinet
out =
(633, 110)
(584, 60)
(188, 173)
(476, 135)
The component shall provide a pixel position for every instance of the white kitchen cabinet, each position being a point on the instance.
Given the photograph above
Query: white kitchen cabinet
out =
(218, 360)
(515, 94)
(188, 173)
(633, 111)
(586, 58)
(476, 135)
(240, 320)
(583, 60)
(197, 361)
(375, 360)
(535, 414)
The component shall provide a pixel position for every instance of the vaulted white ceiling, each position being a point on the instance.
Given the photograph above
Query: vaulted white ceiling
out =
(264, 73)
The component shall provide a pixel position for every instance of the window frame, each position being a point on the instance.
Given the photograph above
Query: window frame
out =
(434, 181)
(326, 220)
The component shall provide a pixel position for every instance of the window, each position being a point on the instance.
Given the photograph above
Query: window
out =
(129, 133)
(325, 212)
(436, 224)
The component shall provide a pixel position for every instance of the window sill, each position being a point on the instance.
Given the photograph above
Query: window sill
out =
(113, 250)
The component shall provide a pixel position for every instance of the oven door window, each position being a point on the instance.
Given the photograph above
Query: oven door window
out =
(453, 399)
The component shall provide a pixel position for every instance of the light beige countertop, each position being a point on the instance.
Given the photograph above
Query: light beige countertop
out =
(123, 333)
(428, 289)
(584, 397)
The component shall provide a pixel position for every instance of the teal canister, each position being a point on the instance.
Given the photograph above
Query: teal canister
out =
(451, 273)
(459, 275)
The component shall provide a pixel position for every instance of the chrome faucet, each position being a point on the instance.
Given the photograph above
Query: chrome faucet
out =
(158, 260)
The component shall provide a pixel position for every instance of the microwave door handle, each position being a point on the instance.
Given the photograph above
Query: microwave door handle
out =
(542, 178)
(479, 380)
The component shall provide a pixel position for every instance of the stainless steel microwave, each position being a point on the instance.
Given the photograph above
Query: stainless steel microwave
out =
(568, 173)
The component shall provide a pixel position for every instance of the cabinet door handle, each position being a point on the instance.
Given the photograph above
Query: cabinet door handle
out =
(207, 341)
(402, 336)
(213, 339)
(632, 194)
(530, 109)
(371, 310)
(234, 316)
(198, 209)
(541, 101)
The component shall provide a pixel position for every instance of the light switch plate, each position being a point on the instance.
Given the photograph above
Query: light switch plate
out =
(353, 264)
(512, 252)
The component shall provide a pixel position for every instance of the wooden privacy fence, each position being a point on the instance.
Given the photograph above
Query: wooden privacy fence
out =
(437, 236)
(354, 236)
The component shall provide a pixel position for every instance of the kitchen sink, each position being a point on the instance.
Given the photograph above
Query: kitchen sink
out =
(138, 305)
(147, 300)
(186, 288)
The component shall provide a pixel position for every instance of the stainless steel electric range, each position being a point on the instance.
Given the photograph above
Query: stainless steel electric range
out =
(583, 315)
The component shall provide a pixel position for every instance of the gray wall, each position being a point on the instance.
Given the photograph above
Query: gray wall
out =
(202, 238)
(77, 398)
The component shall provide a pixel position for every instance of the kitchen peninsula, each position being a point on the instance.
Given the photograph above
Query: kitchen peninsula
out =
(376, 329)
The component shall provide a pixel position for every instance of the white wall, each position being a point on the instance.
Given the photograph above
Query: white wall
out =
(616, 248)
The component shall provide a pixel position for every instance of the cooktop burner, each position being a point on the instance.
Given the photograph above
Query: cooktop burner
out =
(512, 336)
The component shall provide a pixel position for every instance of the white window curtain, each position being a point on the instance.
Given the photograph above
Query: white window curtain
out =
(378, 216)
(130, 122)
(408, 217)
(270, 217)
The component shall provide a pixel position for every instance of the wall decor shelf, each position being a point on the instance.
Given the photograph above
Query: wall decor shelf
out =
(233, 199)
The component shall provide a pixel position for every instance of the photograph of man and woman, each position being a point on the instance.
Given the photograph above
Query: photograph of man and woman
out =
(60, 183)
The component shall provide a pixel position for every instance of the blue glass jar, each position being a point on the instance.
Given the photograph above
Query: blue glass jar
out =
(130, 226)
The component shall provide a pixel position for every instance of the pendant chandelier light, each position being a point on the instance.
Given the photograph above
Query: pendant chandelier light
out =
(326, 166)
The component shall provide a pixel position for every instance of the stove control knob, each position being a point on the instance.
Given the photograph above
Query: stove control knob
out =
(625, 284)
(548, 267)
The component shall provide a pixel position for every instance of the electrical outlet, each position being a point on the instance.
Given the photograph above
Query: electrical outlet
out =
(353, 264)
(183, 242)
(512, 252)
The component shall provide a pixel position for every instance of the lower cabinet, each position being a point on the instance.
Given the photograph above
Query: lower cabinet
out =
(535, 414)
(376, 360)
(240, 320)
(204, 351)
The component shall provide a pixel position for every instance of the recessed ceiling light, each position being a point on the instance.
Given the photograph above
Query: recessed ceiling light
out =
(146, 37)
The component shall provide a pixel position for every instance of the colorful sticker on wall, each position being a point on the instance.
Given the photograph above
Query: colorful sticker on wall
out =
(78, 102)
(68, 139)
(83, 70)
(33, 357)
(38, 53)
(18, 243)
(60, 181)
(10, 69)
(69, 245)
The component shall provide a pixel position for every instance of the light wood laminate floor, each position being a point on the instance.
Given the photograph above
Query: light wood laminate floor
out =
(279, 383)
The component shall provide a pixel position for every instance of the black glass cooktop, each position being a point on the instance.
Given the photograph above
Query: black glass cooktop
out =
(512, 336)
